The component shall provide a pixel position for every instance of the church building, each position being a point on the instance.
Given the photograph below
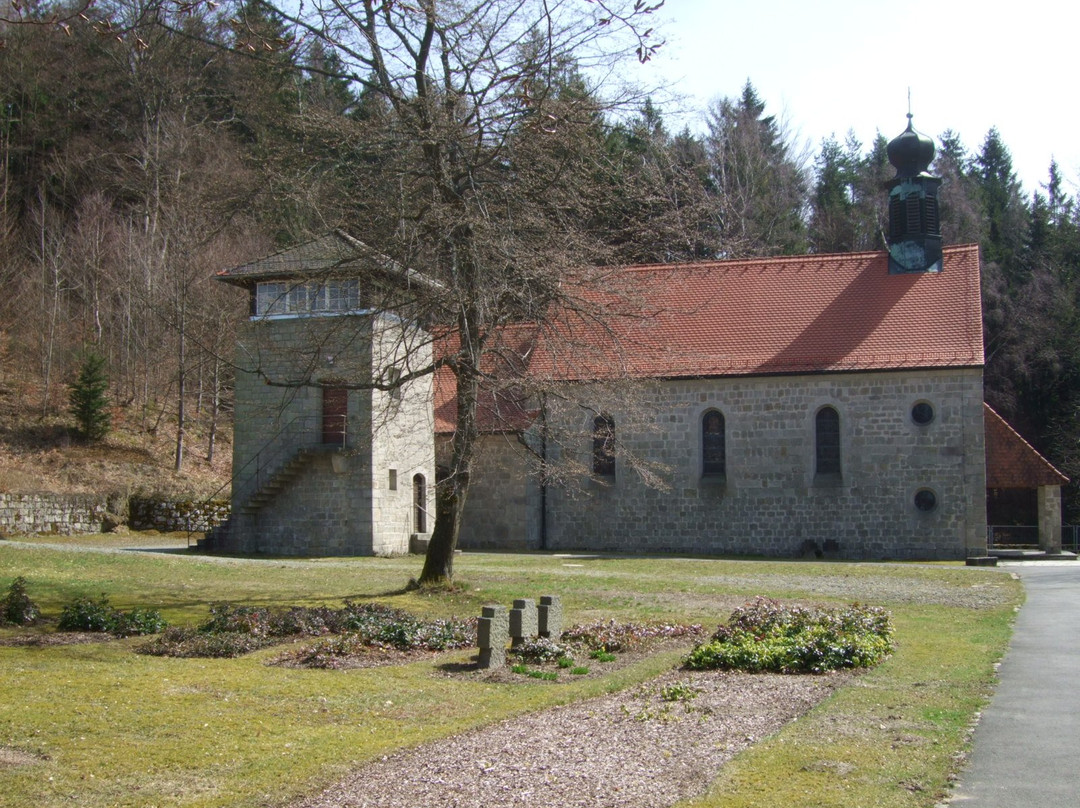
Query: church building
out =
(812, 404)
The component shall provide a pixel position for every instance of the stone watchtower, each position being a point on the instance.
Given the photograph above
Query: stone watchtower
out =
(914, 224)
(325, 462)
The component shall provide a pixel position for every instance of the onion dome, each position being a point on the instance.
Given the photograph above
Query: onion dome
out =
(910, 152)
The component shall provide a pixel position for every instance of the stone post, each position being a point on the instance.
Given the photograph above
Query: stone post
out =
(522, 621)
(1050, 518)
(492, 633)
(549, 617)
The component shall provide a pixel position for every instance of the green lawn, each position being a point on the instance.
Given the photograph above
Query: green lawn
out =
(97, 725)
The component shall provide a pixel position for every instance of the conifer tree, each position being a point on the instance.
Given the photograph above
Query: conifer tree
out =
(757, 177)
(89, 400)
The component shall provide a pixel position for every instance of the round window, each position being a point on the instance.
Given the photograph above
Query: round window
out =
(925, 500)
(922, 413)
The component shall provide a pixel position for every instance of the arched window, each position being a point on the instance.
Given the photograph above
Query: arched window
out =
(419, 485)
(603, 446)
(713, 448)
(827, 441)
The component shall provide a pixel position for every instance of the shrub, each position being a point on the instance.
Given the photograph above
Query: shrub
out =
(678, 691)
(226, 618)
(330, 652)
(541, 650)
(616, 637)
(766, 635)
(138, 622)
(87, 614)
(187, 642)
(384, 627)
(361, 626)
(16, 608)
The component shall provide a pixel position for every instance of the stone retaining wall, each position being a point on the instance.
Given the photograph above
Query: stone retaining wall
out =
(50, 513)
(168, 517)
(72, 514)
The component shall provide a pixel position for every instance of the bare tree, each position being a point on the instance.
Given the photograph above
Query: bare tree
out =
(475, 164)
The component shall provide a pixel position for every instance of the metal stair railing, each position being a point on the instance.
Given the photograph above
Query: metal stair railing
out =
(272, 456)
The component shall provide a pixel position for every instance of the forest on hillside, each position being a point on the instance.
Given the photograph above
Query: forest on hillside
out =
(147, 144)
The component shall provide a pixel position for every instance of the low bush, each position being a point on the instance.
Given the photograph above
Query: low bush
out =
(356, 628)
(679, 691)
(16, 608)
(263, 621)
(138, 622)
(542, 650)
(87, 614)
(380, 626)
(614, 637)
(190, 642)
(766, 635)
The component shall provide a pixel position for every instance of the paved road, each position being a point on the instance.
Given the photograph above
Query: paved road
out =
(1027, 744)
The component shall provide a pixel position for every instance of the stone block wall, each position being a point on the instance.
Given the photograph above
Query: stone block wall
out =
(174, 516)
(402, 440)
(325, 511)
(771, 501)
(51, 513)
(281, 363)
(503, 509)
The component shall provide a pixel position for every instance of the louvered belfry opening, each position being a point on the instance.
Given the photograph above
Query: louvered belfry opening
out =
(914, 224)
(914, 216)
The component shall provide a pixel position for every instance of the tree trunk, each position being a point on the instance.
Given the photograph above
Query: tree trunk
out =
(181, 379)
(215, 408)
(450, 500)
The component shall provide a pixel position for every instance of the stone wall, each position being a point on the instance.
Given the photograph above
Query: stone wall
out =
(503, 509)
(771, 501)
(402, 441)
(51, 513)
(73, 514)
(175, 516)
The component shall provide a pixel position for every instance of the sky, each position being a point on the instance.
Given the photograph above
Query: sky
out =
(827, 66)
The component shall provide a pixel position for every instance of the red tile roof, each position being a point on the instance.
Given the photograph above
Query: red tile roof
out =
(502, 403)
(1012, 462)
(794, 314)
(797, 314)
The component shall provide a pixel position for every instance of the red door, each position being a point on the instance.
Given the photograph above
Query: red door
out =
(335, 408)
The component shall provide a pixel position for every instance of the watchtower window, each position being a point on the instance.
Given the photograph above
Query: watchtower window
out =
(314, 297)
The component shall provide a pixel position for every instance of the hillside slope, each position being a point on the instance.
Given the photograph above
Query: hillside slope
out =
(41, 454)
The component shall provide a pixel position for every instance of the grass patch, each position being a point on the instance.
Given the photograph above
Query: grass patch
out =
(111, 727)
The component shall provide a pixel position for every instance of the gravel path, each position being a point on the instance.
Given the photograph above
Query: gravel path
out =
(631, 749)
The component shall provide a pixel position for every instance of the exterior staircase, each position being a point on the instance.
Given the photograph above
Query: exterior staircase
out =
(281, 479)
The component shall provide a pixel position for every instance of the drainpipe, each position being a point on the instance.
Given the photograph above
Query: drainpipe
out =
(543, 471)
